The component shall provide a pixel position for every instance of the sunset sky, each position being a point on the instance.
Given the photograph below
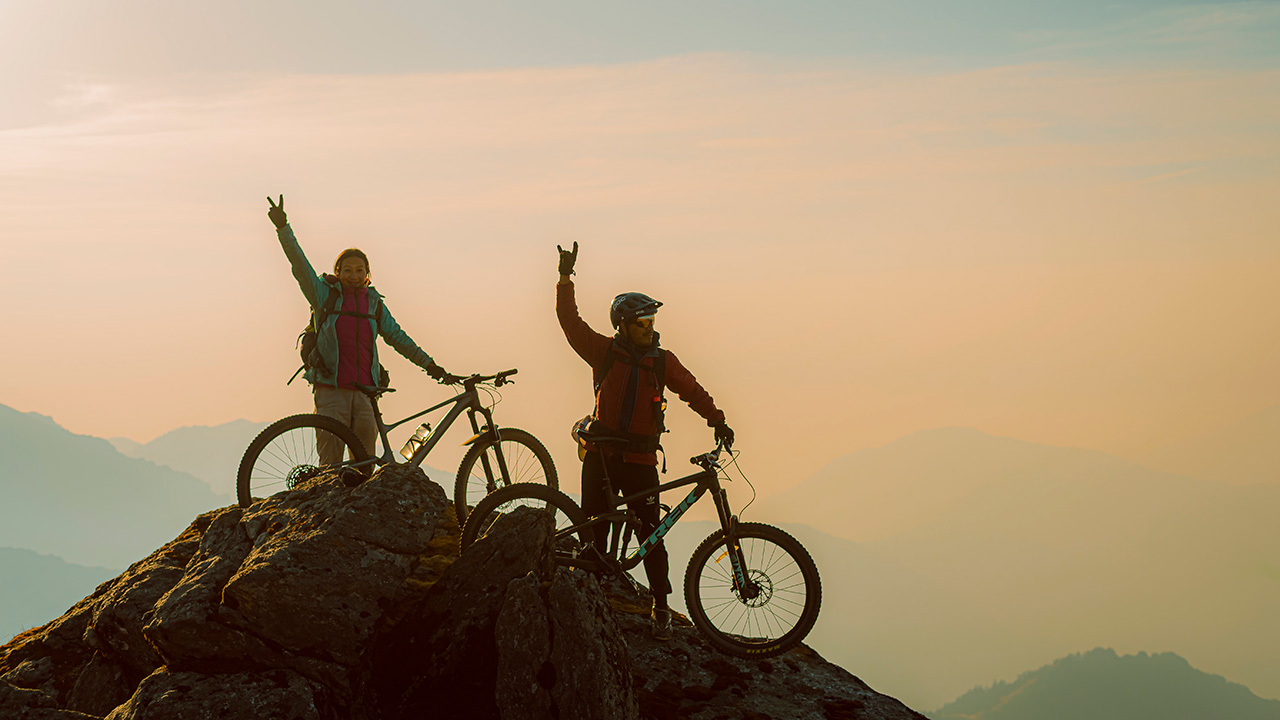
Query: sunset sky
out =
(864, 220)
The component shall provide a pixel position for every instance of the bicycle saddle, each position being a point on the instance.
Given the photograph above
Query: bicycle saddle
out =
(372, 392)
(600, 438)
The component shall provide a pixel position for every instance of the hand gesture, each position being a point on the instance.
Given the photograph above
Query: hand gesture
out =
(443, 376)
(724, 433)
(276, 213)
(567, 258)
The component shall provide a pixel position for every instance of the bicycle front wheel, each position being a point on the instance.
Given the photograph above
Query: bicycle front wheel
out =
(287, 452)
(772, 611)
(566, 512)
(518, 457)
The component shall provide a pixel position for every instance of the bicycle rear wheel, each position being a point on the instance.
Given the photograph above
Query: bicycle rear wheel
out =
(285, 453)
(540, 497)
(775, 609)
(524, 459)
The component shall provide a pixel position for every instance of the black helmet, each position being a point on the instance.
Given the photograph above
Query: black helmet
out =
(629, 306)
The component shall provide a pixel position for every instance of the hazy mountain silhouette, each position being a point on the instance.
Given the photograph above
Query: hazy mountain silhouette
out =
(1246, 452)
(38, 588)
(1099, 685)
(1030, 552)
(76, 497)
(211, 453)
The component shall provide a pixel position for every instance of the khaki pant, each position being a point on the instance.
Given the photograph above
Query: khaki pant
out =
(351, 408)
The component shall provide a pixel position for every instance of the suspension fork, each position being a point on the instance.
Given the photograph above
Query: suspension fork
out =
(492, 432)
(737, 561)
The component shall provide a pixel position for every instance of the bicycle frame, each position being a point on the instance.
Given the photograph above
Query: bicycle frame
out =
(467, 401)
(704, 480)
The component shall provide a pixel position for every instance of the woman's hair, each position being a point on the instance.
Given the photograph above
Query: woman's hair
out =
(351, 252)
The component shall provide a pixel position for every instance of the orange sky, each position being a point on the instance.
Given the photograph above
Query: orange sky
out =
(1054, 251)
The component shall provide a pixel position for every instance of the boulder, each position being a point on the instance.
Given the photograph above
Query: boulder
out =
(331, 602)
(166, 695)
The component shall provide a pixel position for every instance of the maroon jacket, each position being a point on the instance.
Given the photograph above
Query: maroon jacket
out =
(611, 400)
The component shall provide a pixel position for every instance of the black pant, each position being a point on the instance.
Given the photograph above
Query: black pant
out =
(627, 478)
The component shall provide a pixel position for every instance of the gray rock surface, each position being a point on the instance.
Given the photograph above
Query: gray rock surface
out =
(165, 695)
(330, 602)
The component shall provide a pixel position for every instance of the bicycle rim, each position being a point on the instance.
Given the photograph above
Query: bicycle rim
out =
(780, 606)
(525, 461)
(539, 497)
(281, 458)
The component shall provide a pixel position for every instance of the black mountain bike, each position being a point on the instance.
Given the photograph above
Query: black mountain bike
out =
(285, 452)
(752, 589)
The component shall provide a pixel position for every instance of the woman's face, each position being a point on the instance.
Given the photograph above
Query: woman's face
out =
(352, 272)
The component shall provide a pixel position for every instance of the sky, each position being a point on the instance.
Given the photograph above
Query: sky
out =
(1055, 222)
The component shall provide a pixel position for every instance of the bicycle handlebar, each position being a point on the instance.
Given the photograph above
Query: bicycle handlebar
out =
(710, 459)
(499, 380)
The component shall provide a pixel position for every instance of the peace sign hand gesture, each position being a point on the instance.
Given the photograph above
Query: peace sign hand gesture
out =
(276, 213)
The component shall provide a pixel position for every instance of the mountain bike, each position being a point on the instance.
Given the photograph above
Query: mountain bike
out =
(285, 453)
(752, 589)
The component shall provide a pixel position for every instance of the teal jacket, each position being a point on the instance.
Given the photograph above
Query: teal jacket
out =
(316, 289)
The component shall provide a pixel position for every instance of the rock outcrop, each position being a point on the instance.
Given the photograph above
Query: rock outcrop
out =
(331, 602)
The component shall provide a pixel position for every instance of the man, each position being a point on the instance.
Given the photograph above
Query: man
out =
(346, 353)
(630, 371)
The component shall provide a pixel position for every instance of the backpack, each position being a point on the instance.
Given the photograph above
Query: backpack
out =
(639, 442)
(306, 343)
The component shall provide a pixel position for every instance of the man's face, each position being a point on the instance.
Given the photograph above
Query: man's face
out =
(352, 272)
(640, 331)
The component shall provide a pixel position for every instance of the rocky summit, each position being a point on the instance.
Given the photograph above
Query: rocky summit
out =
(329, 602)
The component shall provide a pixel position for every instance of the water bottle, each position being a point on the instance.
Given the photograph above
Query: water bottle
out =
(415, 441)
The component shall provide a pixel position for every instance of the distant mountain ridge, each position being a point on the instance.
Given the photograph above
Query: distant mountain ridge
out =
(37, 588)
(1003, 552)
(1100, 685)
(76, 497)
(1244, 452)
(209, 452)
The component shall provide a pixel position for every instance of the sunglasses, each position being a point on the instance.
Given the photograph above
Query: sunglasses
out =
(645, 322)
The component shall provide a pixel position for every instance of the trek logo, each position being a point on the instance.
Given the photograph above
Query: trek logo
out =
(667, 522)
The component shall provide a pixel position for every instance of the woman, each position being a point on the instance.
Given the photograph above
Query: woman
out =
(348, 314)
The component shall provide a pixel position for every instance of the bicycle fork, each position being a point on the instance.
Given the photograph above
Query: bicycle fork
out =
(744, 586)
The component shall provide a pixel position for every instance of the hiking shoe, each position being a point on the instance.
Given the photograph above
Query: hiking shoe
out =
(660, 624)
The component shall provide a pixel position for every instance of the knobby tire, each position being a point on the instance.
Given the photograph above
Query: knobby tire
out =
(775, 620)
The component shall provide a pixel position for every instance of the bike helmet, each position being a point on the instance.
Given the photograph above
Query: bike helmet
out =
(629, 306)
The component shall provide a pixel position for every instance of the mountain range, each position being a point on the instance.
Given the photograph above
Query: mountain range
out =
(76, 497)
(37, 587)
(1101, 685)
(960, 557)
(951, 557)
(211, 453)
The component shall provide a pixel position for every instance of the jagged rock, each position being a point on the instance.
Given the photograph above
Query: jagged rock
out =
(331, 602)
(69, 642)
(440, 657)
(101, 686)
(593, 671)
(184, 627)
(325, 564)
(522, 634)
(25, 704)
(115, 629)
(686, 678)
(165, 695)
(561, 652)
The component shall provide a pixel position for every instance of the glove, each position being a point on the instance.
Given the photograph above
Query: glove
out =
(276, 213)
(442, 376)
(724, 433)
(567, 257)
